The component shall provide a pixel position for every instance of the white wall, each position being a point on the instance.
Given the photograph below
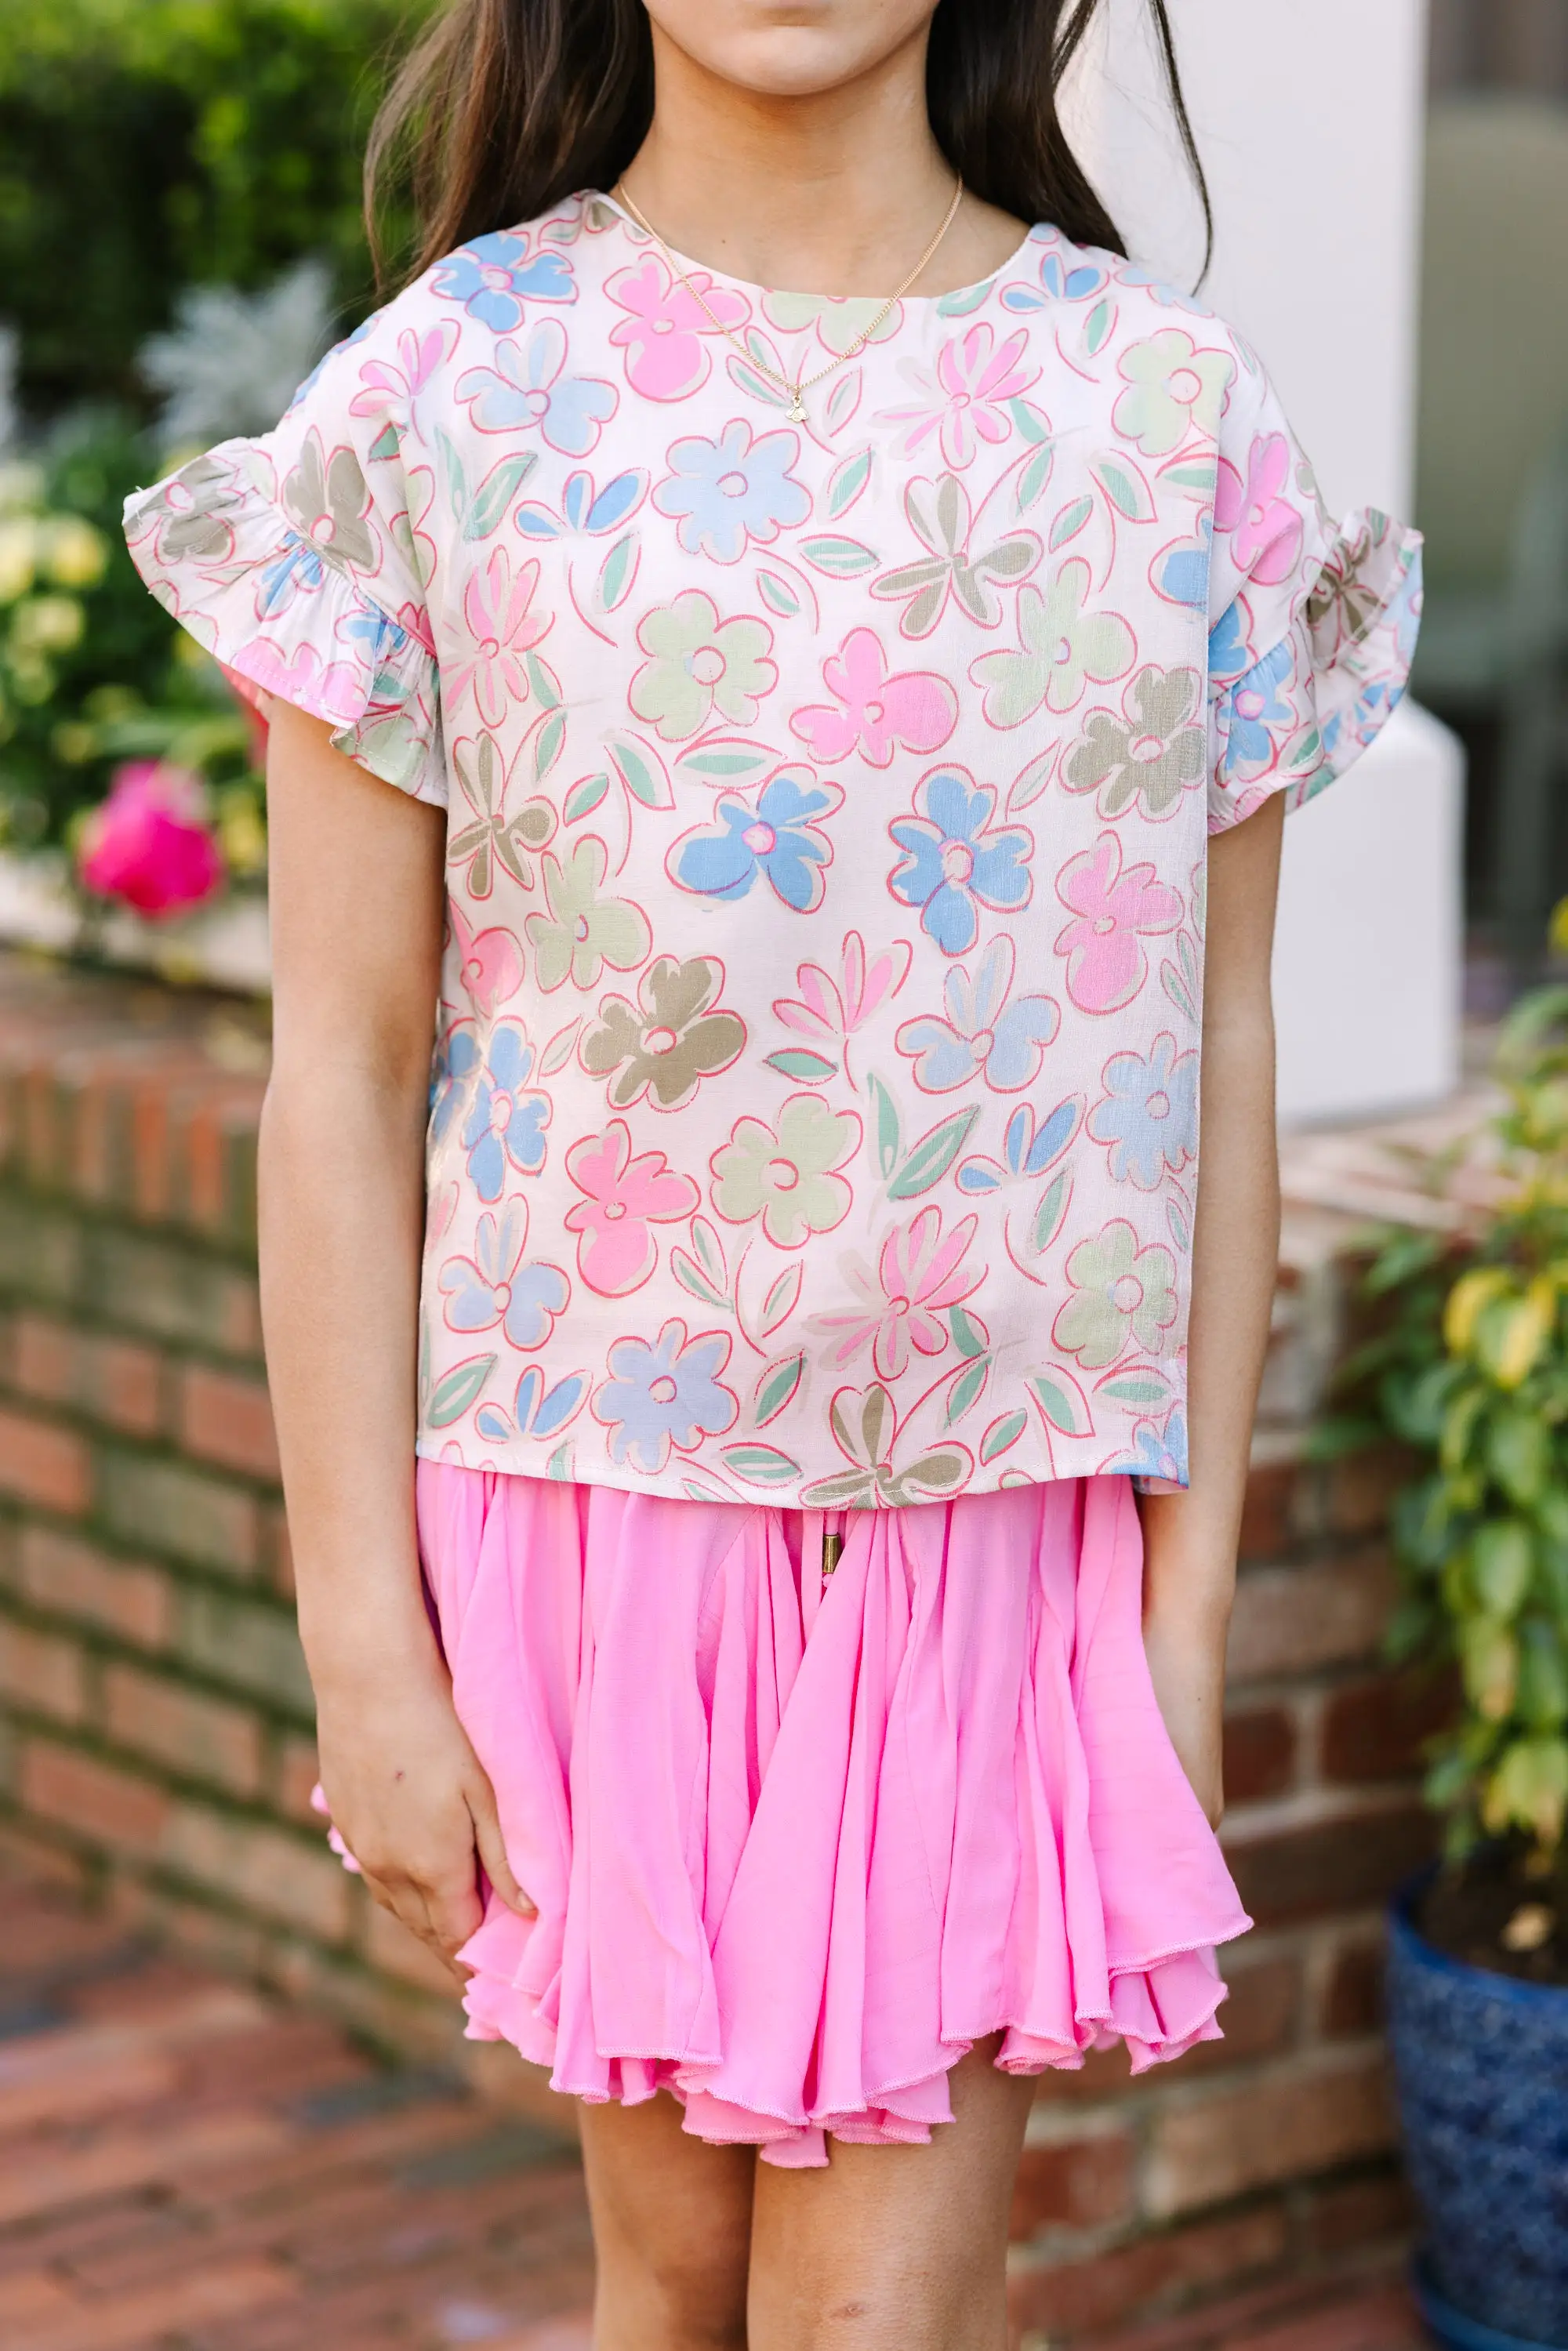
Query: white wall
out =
(1310, 117)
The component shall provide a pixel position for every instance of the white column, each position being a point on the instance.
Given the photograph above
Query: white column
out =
(1309, 117)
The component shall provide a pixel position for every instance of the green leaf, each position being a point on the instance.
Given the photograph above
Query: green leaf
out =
(840, 558)
(584, 797)
(889, 1131)
(1049, 1215)
(1125, 487)
(778, 594)
(710, 1248)
(643, 777)
(1489, 1658)
(1130, 1390)
(1002, 1434)
(1060, 1405)
(846, 482)
(1034, 479)
(457, 1389)
(452, 469)
(759, 1465)
(967, 1335)
(795, 1061)
(962, 300)
(781, 1300)
(541, 682)
(931, 1157)
(690, 1276)
(1071, 521)
(387, 442)
(1501, 1559)
(1031, 780)
(967, 1388)
(1101, 319)
(547, 744)
(495, 493)
(617, 571)
(1032, 422)
(725, 758)
(1518, 1447)
(775, 1388)
(1543, 1697)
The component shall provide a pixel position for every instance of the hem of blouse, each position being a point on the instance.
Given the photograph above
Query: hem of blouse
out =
(670, 1487)
(429, 786)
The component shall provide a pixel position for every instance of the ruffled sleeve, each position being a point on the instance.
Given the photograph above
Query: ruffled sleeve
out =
(1311, 623)
(291, 559)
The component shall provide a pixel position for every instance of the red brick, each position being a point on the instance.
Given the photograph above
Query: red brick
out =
(202, 1737)
(1085, 2183)
(1259, 1753)
(96, 1800)
(40, 1673)
(228, 1419)
(1288, 1620)
(1352, 1994)
(265, 1869)
(1226, 2141)
(1376, 1728)
(281, 1552)
(112, 1380)
(1346, 1863)
(71, 1578)
(1361, 1489)
(169, 1507)
(43, 1464)
(1349, 2215)
(1268, 1517)
(296, 1772)
(1152, 2274)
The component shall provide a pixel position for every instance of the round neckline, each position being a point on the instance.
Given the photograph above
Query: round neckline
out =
(798, 294)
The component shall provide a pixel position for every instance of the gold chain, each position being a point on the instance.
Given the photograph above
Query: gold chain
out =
(797, 389)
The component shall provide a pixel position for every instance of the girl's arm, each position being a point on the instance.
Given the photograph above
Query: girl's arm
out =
(357, 913)
(1190, 1538)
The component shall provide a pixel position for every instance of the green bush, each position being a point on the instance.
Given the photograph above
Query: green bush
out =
(146, 145)
(1470, 1371)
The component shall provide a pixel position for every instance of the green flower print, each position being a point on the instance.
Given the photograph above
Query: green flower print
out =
(583, 931)
(1062, 648)
(328, 501)
(700, 663)
(1120, 1292)
(1151, 753)
(1171, 386)
(841, 320)
(787, 1174)
(669, 1040)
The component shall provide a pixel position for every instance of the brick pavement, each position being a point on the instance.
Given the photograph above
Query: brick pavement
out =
(189, 2165)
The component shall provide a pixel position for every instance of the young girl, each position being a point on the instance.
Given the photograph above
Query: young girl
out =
(787, 657)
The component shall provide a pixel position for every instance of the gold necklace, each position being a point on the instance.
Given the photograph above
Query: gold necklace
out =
(797, 389)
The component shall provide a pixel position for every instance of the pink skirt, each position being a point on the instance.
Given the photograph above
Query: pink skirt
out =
(797, 1843)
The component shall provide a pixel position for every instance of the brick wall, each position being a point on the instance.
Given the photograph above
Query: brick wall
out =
(155, 1715)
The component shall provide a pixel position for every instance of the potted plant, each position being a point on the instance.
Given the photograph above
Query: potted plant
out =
(1467, 1368)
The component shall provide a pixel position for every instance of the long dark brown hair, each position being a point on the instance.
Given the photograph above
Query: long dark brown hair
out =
(503, 106)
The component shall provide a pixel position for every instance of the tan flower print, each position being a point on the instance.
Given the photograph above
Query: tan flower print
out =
(328, 501)
(667, 1042)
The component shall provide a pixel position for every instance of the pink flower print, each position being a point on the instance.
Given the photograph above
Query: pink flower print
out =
(919, 1274)
(1114, 909)
(662, 336)
(328, 689)
(829, 1011)
(913, 710)
(616, 1250)
(502, 626)
(964, 399)
(489, 962)
(418, 358)
(1268, 528)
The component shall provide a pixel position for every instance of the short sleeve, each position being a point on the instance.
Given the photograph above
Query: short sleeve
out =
(1311, 623)
(292, 559)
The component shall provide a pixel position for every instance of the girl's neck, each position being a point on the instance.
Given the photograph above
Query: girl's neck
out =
(832, 194)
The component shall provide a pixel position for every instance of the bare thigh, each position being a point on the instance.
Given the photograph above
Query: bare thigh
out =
(672, 2228)
(894, 2248)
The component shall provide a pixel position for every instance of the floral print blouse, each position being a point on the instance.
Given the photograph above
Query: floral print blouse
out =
(814, 1116)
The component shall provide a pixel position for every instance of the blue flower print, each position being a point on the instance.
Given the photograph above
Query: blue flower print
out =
(1057, 284)
(1251, 707)
(1149, 1113)
(727, 492)
(455, 1062)
(300, 570)
(1230, 654)
(538, 1412)
(504, 1125)
(1158, 1453)
(492, 276)
(983, 1035)
(664, 1396)
(583, 508)
(527, 389)
(494, 1285)
(776, 839)
(954, 861)
(1181, 573)
(1028, 1150)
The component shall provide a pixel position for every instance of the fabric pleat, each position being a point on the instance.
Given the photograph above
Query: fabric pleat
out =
(797, 1844)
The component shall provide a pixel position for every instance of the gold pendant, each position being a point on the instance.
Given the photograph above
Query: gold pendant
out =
(797, 410)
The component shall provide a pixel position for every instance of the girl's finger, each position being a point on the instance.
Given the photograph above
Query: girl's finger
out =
(454, 1911)
(492, 1851)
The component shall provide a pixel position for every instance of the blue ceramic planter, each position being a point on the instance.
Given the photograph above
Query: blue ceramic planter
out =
(1482, 2062)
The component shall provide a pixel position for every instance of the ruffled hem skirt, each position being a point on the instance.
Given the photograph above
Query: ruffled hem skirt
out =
(797, 1843)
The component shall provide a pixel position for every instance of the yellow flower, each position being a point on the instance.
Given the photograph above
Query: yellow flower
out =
(1469, 1295)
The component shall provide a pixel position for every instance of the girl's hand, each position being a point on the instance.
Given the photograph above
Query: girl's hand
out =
(412, 1802)
(1187, 1666)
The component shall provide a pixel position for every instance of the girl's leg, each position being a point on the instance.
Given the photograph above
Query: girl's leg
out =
(895, 2248)
(672, 2230)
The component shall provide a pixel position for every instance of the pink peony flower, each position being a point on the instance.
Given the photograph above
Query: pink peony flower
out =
(148, 845)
